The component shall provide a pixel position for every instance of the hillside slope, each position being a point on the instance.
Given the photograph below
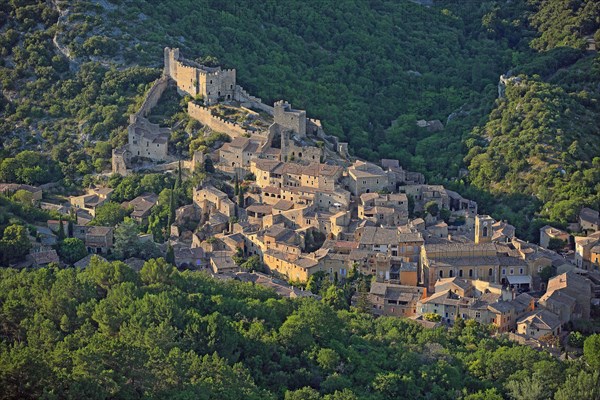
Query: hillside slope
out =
(71, 71)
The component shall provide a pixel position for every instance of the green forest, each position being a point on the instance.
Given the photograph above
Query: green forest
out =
(109, 332)
(71, 72)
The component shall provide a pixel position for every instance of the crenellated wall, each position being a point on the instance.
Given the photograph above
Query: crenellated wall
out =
(153, 96)
(205, 117)
(247, 100)
(213, 84)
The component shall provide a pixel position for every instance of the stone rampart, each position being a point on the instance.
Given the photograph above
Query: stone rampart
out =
(153, 96)
(247, 100)
(205, 117)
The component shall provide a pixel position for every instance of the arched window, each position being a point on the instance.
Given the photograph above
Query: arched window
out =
(441, 274)
(451, 274)
(470, 273)
(490, 272)
(485, 231)
(460, 273)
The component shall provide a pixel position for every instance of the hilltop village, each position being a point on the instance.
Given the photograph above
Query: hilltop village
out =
(284, 205)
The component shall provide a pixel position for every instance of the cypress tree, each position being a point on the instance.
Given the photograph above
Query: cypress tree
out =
(241, 198)
(171, 219)
(170, 257)
(179, 180)
(61, 231)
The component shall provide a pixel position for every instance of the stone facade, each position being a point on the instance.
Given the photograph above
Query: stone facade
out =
(147, 140)
(365, 177)
(290, 119)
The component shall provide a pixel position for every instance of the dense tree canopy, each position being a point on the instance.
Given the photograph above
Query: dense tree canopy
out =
(108, 332)
(368, 69)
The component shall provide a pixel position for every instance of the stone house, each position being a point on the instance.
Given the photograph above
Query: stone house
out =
(548, 232)
(423, 194)
(142, 206)
(44, 257)
(365, 177)
(99, 239)
(589, 220)
(189, 258)
(385, 210)
(394, 300)
(238, 153)
(147, 140)
(539, 323)
(575, 286)
(210, 200)
(93, 199)
(560, 304)
(503, 232)
(437, 230)
(406, 245)
(586, 251)
(257, 211)
(221, 262)
(478, 300)
(503, 316)
(294, 267)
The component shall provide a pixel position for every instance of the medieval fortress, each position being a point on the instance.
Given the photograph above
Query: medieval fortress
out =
(289, 136)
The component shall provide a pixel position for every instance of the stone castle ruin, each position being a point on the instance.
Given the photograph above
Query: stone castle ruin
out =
(145, 139)
(289, 133)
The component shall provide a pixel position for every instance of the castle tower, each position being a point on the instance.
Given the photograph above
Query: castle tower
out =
(483, 229)
(171, 56)
(289, 118)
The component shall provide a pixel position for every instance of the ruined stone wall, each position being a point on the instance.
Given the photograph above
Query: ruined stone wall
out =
(120, 159)
(153, 96)
(290, 151)
(204, 116)
(249, 101)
